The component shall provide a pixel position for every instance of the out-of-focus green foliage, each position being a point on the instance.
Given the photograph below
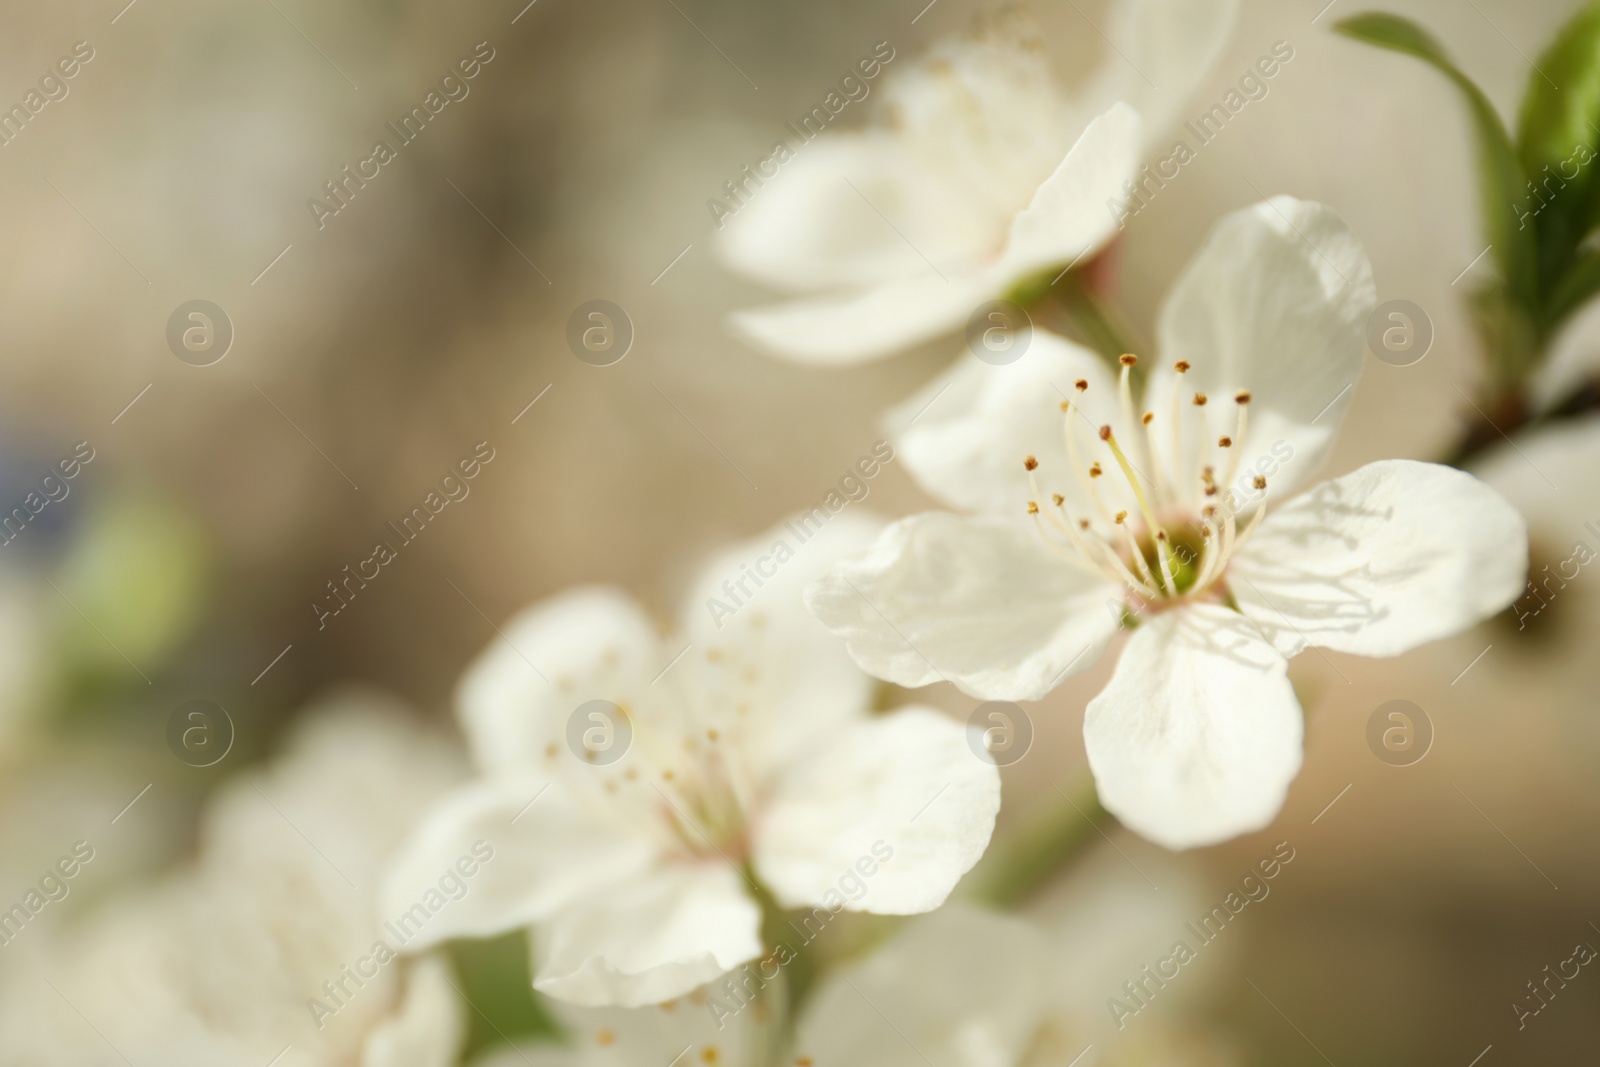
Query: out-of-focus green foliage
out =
(497, 980)
(134, 585)
(1540, 196)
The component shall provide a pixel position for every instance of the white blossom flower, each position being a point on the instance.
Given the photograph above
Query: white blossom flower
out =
(1119, 916)
(753, 762)
(983, 173)
(960, 987)
(222, 962)
(1092, 514)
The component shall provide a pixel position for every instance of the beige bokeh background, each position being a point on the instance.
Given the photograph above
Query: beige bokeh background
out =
(426, 316)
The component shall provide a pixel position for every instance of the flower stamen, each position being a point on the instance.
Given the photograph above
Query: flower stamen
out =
(1242, 400)
(1030, 465)
(1128, 472)
(1178, 472)
(1116, 568)
(1125, 403)
(1164, 555)
(1138, 556)
(1078, 560)
(1255, 520)
(1145, 509)
(1150, 561)
(1085, 557)
(1158, 475)
(1076, 461)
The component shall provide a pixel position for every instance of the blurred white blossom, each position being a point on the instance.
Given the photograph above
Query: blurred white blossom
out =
(981, 172)
(1573, 360)
(1552, 476)
(751, 760)
(961, 987)
(223, 962)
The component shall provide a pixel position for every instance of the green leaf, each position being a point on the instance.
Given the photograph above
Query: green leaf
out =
(1558, 143)
(498, 986)
(1500, 171)
(1578, 284)
(1510, 343)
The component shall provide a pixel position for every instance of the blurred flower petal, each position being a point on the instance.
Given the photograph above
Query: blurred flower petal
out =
(549, 851)
(959, 988)
(875, 323)
(1068, 217)
(651, 937)
(587, 643)
(428, 1028)
(899, 805)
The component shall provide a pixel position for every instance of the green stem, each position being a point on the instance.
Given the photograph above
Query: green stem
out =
(781, 996)
(1015, 869)
(775, 1033)
(1062, 301)
(1092, 320)
(1508, 414)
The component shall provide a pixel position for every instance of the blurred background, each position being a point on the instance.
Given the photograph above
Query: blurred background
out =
(373, 349)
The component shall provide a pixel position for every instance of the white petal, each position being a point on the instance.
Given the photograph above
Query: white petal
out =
(1068, 217)
(1552, 476)
(1276, 303)
(1197, 737)
(1573, 359)
(1388, 557)
(959, 988)
(539, 1053)
(759, 662)
(429, 1026)
(589, 643)
(1167, 47)
(354, 752)
(871, 324)
(983, 114)
(707, 1027)
(889, 215)
(547, 850)
(886, 819)
(965, 436)
(656, 937)
(817, 225)
(981, 603)
(978, 125)
(1114, 911)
